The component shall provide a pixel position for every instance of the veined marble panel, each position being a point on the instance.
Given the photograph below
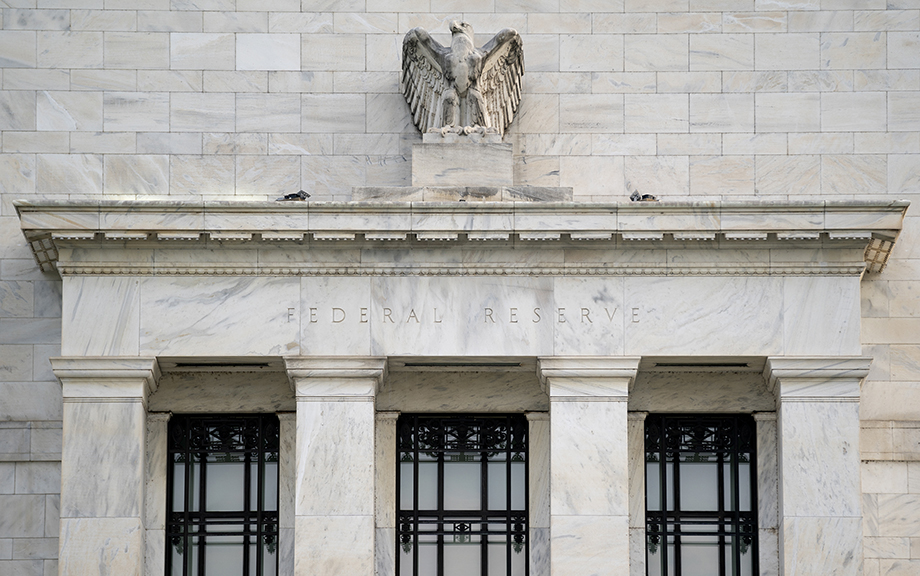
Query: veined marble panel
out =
(335, 464)
(102, 469)
(385, 552)
(583, 545)
(821, 316)
(462, 392)
(155, 552)
(384, 470)
(767, 472)
(223, 392)
(636, 469)
(104, 546)
(813, 545)
(335, 317)
(539, 552)
(156, 465)
(589, 473)
(637, 551)
(334, 545)
(819, 459)
(593, 314)
(189, 316)
(505, 316)
(539, 470)
(700, 392)
(703, 316)
(100, 316)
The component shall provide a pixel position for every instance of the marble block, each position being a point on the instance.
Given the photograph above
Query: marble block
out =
(589, 545)
(462, 164)
(334, 545)
(462, 193)
(335, 459)
(102, 473)
(589, 459)
(104, 546)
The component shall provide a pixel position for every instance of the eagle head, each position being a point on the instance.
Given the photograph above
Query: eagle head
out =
(458, 27)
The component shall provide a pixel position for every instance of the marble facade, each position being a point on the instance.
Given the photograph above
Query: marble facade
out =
(339, 317)
(197, 103)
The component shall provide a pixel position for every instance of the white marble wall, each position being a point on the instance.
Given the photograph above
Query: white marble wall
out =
(385, 494)
(589, 474)
(636, 447)
(104, 470)
(539, 483)
(334, 525)
(462, 316)
(820, 516)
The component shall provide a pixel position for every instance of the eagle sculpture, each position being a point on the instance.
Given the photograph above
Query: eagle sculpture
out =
(462, 88)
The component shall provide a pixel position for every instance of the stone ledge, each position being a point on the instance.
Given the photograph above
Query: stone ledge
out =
(462, 193)
(846, 227)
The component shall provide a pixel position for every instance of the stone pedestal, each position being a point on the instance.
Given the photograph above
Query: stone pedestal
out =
(103, 472)
(589, 494)
(462, 164)
(334, 529)
(820, 517)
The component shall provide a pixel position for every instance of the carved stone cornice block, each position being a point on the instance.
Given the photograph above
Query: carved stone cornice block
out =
(563, 238)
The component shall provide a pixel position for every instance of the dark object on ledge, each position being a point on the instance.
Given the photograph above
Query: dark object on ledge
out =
(300, 196)
(636, 197)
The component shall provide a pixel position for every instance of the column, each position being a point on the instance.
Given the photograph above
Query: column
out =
(155, 513)
(767, 493)
(385, 481)
(820, 518)
(539, 492)
(589, 476)
(287, 466)
(103, 472)
(636, 438)
(334, 485)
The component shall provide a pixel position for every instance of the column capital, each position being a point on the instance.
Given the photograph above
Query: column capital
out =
(335, 376)
(584, 377)
(816, 379)
(106, 378)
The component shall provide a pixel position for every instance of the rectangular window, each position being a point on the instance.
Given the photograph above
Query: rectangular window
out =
(462, 495)
(700, 495)
(222, 495)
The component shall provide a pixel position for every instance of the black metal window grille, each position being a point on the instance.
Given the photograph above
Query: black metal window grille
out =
(462, 495)
(222, 495)
(701, 495)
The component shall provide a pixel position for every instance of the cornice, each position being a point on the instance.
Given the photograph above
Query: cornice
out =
(102, 224)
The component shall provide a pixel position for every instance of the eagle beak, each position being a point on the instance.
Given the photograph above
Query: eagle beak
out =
(455, 26)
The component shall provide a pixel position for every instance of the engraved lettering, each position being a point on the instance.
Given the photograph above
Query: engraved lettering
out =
(610, 314)
(363, 319)
(561, 318)
(412, 315)
(586, 315)
(635, 315)
(514, 316)
(290, 314)
(436, 319)
(388, 315)
(313, 316)
(488, 317)
(536, 316)
(335, 312)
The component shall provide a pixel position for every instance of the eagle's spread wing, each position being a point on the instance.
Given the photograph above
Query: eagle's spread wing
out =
(424, 60)
(502, 76)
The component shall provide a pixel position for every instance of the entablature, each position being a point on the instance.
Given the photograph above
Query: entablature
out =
(439, 238)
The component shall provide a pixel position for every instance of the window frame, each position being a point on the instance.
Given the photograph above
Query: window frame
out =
(516, 534)
(661, 439)
(186, 526)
